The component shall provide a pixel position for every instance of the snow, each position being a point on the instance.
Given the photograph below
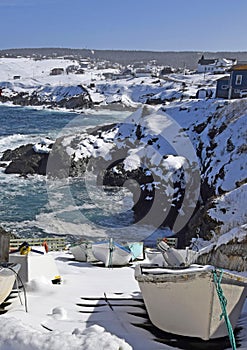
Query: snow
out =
(130, 92)
(132, 162)
(179, 127)
(58, 316)
(25, 337)
(43, 146)
(237, 234)
(55, 306)
(228, 210)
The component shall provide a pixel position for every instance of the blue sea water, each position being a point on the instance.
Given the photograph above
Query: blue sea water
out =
(73, 207)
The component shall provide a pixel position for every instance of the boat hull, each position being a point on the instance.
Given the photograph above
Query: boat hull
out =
(7, 280)
(111, 255)
(82, 252)
(186, 302)
(79, 252)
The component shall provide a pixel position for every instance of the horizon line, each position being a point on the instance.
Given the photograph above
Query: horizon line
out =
(126, 50)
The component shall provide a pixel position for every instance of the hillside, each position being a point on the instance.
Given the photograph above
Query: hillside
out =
(182, 157)
(175, 59)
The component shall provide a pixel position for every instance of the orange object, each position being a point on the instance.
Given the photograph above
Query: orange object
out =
(45, 245)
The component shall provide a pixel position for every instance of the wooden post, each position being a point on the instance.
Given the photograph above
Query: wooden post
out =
(4, 247)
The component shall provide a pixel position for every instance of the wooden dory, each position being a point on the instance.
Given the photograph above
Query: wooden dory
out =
(184, 301)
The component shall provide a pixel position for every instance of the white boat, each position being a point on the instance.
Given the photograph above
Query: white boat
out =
(165, 255)
(7, 279)
(79, 252)
(137, 250)
(111, 253)
(185, 301)
(176, 257)
(82, 252)
(154, 256)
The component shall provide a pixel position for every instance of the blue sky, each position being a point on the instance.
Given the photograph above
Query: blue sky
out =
(157, 25)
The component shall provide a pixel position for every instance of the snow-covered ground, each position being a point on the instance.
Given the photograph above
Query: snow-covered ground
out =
(27, 75)
(216, 129)
(66, 315)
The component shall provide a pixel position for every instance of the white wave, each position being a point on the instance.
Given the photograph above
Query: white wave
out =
(17, 140)
(17, 182)
(51, 224)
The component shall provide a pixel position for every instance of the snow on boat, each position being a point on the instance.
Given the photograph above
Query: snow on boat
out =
(111, 253)
(184, 300)
(34, 262)
(7, 279)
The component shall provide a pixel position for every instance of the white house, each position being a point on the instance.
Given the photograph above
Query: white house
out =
(142, 72)
(215, 65)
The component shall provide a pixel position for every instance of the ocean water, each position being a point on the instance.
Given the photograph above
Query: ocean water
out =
(36, 206)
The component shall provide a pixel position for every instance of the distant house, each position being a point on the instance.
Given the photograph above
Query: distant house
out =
(137, 65)
(107, 75)
(166, 70)
(224, 64)
(214, 65)
(124, 74)
(71, 69)
(222, 87)
(142, 72)
(15, 77)
(235, 84)
(57, 71)
(80, 71)
(84, 64)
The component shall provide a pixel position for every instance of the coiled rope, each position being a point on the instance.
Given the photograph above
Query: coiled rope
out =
(223, 303)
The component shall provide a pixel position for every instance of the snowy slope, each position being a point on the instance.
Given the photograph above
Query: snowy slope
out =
(216, 130)
(35, 74)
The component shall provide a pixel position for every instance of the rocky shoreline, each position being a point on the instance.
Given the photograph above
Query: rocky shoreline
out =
(81, 100)
(150, 184)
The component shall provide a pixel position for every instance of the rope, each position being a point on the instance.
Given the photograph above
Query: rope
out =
(223, 304)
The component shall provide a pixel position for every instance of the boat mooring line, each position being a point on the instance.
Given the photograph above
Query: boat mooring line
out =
(223, 303)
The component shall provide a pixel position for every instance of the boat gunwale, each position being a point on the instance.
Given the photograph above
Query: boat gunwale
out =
(166, 274)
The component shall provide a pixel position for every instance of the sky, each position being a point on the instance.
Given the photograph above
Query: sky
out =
(153, 25)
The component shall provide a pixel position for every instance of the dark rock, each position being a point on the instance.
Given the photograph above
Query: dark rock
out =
(4, 232)
(80, 101)
(201, 224)
(24, 160)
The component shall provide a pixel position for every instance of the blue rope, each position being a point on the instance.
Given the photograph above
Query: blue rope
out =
(223, 303)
